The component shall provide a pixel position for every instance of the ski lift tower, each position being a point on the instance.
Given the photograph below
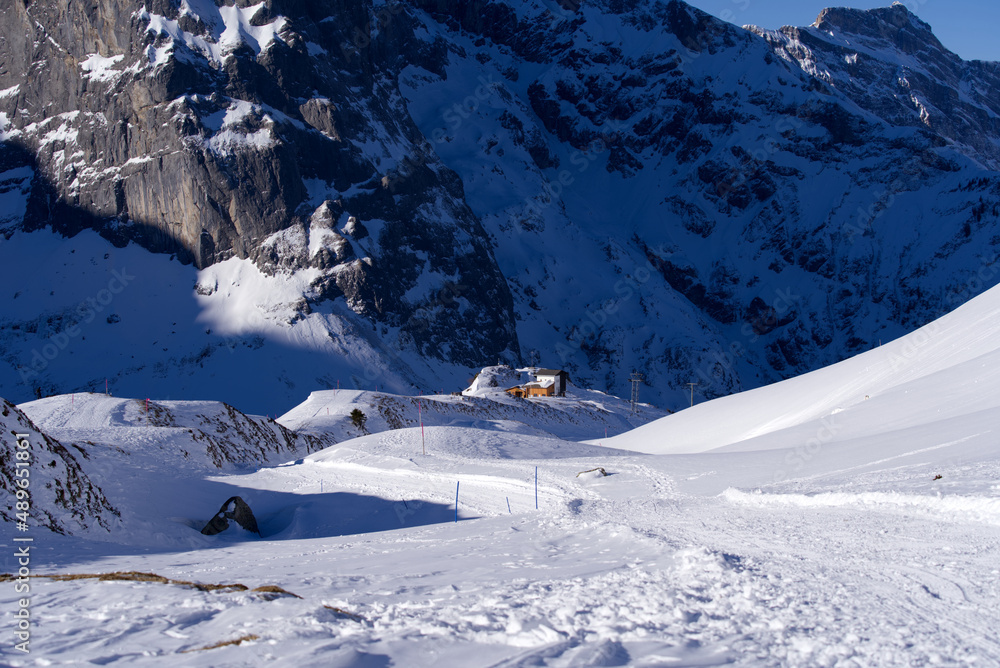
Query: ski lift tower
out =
(635, 379)
(692, 393)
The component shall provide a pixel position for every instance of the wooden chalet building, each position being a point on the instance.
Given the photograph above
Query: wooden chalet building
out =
(547, 383)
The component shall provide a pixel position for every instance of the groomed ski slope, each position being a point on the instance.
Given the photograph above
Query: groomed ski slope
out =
(802, 524)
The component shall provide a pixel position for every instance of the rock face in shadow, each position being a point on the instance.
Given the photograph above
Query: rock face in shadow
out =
(234, 509)
(717, 204)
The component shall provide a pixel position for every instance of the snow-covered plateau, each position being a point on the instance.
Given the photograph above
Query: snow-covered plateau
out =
(848, 517)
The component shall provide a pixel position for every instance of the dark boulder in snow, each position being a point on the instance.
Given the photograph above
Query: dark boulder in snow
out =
(235, 509)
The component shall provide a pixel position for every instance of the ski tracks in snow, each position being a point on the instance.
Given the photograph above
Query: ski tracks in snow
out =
(616, 570)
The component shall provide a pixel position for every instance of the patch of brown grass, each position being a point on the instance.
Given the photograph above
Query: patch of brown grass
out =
(271, 592)
(129, 576)
(266, 592)
(235, 641)
(132, 576)
(340, 612)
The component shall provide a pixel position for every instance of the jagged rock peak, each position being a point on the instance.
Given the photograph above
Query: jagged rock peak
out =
(896, 24)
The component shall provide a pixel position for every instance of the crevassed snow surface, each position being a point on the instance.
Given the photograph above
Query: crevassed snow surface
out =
(848, 517)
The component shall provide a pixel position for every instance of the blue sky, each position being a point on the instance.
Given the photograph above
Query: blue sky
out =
(967, 27)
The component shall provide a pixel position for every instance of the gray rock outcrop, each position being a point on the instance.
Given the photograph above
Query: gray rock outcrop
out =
(214, 132)
(61, 496)
(235, 509)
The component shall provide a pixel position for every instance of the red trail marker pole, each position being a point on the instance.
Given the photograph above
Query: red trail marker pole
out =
(423, 443)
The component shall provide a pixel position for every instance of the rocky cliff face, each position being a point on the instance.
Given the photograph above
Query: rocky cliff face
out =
(256, 131)
(602, 186)
(888, 62)
(60, 495)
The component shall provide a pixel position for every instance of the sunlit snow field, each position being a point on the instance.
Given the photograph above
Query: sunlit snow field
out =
(848, 517)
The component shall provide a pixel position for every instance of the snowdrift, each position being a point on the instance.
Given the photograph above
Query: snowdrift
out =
(945, 370)
(189, 433)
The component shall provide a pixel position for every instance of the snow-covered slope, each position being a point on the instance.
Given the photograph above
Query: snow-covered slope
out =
(151, 327)
(809, 526)
(145, 464)
(941, 373)
(205, 433)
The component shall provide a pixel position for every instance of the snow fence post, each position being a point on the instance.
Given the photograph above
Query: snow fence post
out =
(420, 416)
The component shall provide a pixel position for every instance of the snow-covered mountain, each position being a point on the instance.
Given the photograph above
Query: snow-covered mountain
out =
(932, 389)
(394, 194)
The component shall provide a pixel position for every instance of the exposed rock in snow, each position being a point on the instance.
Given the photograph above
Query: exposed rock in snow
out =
(234, 509)
(45, 483)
